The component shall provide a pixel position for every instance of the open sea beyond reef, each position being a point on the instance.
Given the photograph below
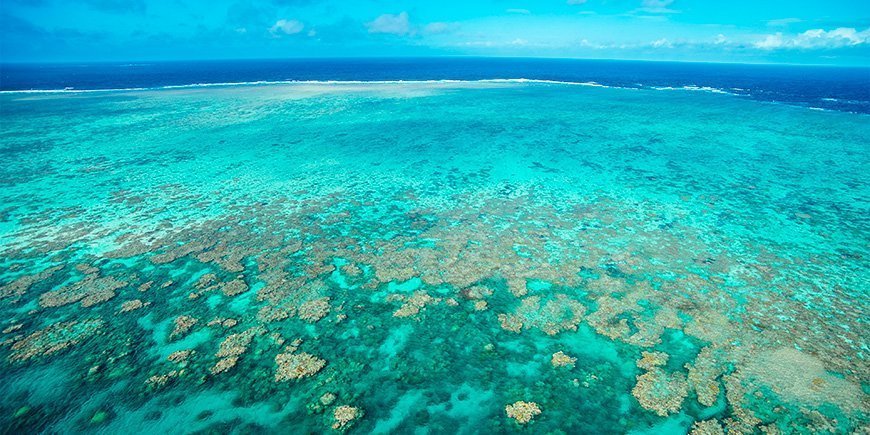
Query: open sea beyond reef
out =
(445, 254)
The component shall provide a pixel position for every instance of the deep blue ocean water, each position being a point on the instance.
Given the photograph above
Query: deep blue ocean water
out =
(824, 87)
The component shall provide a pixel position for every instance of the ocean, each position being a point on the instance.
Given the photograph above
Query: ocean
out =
(434, 246)
(822, 87)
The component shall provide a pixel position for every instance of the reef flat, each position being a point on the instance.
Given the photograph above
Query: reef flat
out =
(432, 258)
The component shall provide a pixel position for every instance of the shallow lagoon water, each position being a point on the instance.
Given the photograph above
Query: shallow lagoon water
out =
(413, 257)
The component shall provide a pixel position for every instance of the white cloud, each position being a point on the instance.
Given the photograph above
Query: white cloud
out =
(587, 44)
(657, 3)
(438, 28)
(506, 43)
(657, 6)
(400, 24)
(519, 11)
(288, 27)
(815, 38)
(391, 24)
(661, 43)
(770, 42)
(783, 22)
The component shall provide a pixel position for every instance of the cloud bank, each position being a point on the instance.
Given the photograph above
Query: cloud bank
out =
(287, 27)
(815, 39)
(390, 24)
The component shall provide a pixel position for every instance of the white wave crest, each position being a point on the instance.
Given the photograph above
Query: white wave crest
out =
(309, 82)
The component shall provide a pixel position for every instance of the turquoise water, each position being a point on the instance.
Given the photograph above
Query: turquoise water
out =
(409, 257)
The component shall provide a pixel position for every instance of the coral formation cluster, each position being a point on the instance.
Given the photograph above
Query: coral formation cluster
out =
(522, 412)
(297, 365)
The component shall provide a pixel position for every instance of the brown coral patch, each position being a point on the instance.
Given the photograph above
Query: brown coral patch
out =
(650, 360)
(661, 392)
(183, 325)
(234, 287)
(133, 305)
(314, 310)
(54, 338)
(558, 314)
(703, 376)
(237, 344)
(560, 359)
(224, 364)
(91, 290)
(414, 303)
(522, 412)
(344, 415)
(707, 427)
(297, 365)
(20, 286)
(802, 378)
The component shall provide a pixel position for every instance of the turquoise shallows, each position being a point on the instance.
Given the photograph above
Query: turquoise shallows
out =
(431, 257)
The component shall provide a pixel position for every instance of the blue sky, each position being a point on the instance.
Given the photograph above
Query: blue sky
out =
(797, 31)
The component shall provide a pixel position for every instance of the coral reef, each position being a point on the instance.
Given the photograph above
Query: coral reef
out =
(224, 364)
(522, 412)
(234, 287)
(661, 392)
(707, 427)
(344, 416)
(17, 288)
(801, 378)
(559, 313)
(510, 322)
(54, 338)
(465, 273)
(160, 381)
(180, 356)
(237, 344)
(90, 291)
(297, 365)
(650, 360)
(560, 359)
(183, 325)
(133, 305)
(12, 328)
(703, 374)
(327, 399)
(314, 310)
(741, 420)
(222, 322)
(414, 303)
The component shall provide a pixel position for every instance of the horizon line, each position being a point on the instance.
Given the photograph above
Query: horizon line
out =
(445, 56)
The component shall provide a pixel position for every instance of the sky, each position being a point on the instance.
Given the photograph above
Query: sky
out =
(754, 31)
